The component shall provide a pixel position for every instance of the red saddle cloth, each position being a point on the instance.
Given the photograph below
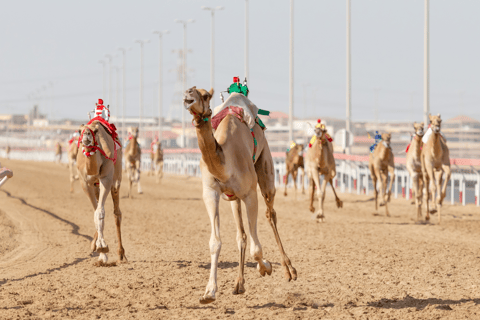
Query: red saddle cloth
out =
(235, 111)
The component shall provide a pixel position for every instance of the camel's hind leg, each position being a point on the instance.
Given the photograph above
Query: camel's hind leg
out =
(302, 179)
(242, 245)
(312, 193)
(374, 182)
(417, 193)
(294, 177)
(286, 183)
(137, 178)
(91, 191)
(159, 171)
(266, 181)
(337, 199)
(211, 197)
(438, 200)
(118, 219)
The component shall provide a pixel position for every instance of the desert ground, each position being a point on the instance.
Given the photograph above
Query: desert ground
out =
(356, 265)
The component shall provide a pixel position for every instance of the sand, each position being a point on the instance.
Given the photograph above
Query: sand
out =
(356, 265)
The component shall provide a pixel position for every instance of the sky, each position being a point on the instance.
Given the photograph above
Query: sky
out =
(60, 43)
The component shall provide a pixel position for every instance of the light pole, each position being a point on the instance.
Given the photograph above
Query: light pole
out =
(349, 87)
(160, 81)
(124, 89)
(50, 83)
(290, 107)
(246, 39)
(109, 59)
(184, 71)
(142, 43)
(426, 67)
(117, 90)
(212, 52)
(103, 63)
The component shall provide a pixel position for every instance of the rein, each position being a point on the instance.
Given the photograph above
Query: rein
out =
(93, 148)
(201, 119)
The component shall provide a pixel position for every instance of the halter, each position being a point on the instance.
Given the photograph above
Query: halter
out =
(203, 117)
(93, 148)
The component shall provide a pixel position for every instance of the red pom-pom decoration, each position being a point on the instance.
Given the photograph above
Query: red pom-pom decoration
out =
(319, 120)
(236, 79)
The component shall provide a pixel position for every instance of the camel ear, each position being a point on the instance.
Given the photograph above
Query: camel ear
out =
(105, 141)
(439, 115)
(211, 92)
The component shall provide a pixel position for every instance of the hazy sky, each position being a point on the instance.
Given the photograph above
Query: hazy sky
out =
(62, 41)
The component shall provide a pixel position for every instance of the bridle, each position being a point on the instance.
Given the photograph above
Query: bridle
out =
(201, 118)
(89, 150)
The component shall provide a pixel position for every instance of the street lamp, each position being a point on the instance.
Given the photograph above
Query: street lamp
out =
(246, 40)
(160, 81)
(104, 74)
(117, 90)
(212, 52)
(142, 43)
(109, 59)
(124, 89)
(184, 71)
(290, 107)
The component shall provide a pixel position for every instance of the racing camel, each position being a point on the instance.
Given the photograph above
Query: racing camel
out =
(294, 162)
(157, 160)
(72, 159)
(99, 163)
(435, 162)
(380, 163)
(232, 164)
(414, 166)
(133, 155)
(320, 161)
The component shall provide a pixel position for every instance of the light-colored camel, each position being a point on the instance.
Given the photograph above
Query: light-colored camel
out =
(231, 170)
(435, 162)
(414, 165)
(58, 152)
(133, 156)
(7, 152)
(158, 160)
(98, 177)
(380, 163)
(294, 162)
(320, 161)
(72, 161)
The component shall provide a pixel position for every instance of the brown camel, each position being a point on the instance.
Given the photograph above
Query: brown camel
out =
(100, 175)
(157, 161)
(58, 152)
(294, 161)
(414, 165)
(435, 162)
(320, 161)
(7, 152)
(72, 160)
(133, 156)
(381, 163)
(231, 166)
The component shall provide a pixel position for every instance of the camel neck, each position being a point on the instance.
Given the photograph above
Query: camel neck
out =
(210, 149)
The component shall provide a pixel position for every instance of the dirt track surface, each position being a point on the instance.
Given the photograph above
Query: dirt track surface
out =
(355, 265)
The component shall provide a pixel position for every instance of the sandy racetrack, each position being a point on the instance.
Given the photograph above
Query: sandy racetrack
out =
(356, 265)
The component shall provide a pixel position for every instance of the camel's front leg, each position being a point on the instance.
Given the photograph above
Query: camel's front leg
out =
(99, 218)
(438, 180)
(312, 193)
(302, 179)
(118, 219)
(137, 178)
(375, 192)
(159, 171)
(286, 182)
(242, 245)
(433, 189)
(316, 180)
(391, 170)
(448, 173)
(211, 197)
(294, 177)
(130, 175)
(418, 194)
(251, 204)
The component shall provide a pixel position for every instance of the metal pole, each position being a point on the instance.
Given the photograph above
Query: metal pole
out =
(124, 90)
(104, 77)
(212, 59)
(349, 103)
(117, 96)
(426, 71)
(141, 88)
(160, 81)
(184, 80)
(247, 75)
(290, 108)
(109, 57)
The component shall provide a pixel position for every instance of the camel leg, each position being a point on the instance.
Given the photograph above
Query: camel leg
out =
(391, 170)
(426, 185)
(312, 193)
(384, 191)
(242, 246)
(118, 218)
(294, 177)
(303, 180)
(316, 180)
(130, 179)
(416, 187)
(90, 192)
(266, 181)
(139, 187)
(448, 173)
(286, 183)
(438, 180)
(337, 199)
(433, 189)
(374, 181)
(211, 197)
(72, 175)
(99, 218)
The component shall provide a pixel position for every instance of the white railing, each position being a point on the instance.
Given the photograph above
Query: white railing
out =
(352, 176)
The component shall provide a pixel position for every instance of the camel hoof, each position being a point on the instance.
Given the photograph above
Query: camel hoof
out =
(206, 299)
(433, 211)
(382, 204)
(121, 254)
(312, 209)
(290, 273)
(427, 218)
(285, 194)
(267, 269)
(239, 286)
(339, 203)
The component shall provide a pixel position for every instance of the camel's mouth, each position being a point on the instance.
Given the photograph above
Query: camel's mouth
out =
(436, 129)
(420, 133)
(188, 101)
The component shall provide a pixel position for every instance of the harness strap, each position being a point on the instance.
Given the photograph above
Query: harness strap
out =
(94, 148)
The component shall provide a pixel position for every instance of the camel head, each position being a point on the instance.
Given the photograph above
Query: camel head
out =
(435, 123)
(87, 138)
(386, 138)
(320, 131)
(418, 128)
(197, 101)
